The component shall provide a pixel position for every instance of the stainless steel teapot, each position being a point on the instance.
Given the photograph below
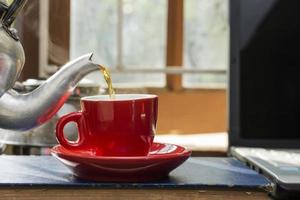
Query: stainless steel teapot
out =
(27, 111)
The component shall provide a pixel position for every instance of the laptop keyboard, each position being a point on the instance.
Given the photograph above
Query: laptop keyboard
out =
(280, 165)
(283, 159)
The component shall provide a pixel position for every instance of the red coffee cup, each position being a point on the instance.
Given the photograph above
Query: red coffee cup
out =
(124, 126)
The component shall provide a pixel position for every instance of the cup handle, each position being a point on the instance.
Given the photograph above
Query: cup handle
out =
(72, 117)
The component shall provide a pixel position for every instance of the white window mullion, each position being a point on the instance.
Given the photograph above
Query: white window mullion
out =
(170, 70)
(43, 37)
(119, 63)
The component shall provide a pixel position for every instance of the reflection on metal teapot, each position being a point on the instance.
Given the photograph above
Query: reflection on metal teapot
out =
(44, 135)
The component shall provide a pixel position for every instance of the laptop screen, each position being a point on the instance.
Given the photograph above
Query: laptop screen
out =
(269, 59)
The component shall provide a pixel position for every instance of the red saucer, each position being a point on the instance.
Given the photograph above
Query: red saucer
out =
(160, 161)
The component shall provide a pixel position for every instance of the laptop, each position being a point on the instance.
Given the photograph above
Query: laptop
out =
(264, 94)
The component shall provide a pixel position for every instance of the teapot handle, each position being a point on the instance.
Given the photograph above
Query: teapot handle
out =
(12, 11)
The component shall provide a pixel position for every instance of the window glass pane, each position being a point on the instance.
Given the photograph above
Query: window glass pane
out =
(206, 39)
(94, 29)
(144, 39)
(144, 33)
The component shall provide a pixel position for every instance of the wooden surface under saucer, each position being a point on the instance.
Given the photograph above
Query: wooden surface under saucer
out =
(160, 161)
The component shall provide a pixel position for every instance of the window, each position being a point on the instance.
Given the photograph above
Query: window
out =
(206, 41)
(130, 36)
(178, 46)
(124, 34)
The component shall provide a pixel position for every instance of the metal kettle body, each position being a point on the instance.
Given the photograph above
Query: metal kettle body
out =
(27, 111)
(12, 59)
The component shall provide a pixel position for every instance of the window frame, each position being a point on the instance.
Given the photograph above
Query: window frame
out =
(59, 31)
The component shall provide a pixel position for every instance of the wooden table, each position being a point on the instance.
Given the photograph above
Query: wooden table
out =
(43, 177)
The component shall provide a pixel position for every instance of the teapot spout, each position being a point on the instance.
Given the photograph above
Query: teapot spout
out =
(26, 111)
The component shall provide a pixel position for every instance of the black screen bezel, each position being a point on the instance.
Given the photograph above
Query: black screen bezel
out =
(234, 124)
